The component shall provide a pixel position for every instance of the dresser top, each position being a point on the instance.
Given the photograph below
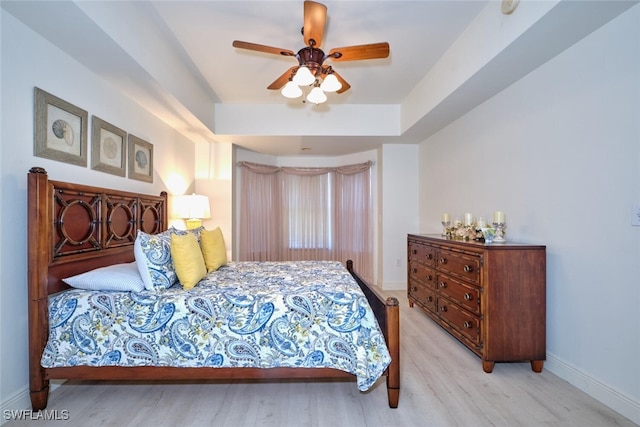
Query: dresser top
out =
(437, 238)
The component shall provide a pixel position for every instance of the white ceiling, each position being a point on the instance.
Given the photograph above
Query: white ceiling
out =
(418, 33)
(176, 59)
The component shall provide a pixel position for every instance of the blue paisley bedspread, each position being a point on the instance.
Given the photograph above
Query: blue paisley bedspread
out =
(247, 314)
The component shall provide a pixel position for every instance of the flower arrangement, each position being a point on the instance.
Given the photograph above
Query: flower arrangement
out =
(464, 232)
(474, 229)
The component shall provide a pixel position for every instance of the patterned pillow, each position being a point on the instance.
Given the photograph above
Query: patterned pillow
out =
(194, 231)
(117, 277)
(153, 258)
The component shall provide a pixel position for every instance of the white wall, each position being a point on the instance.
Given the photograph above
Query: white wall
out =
(28, 60)
(214, 178)
(559, 152)
(398, 213)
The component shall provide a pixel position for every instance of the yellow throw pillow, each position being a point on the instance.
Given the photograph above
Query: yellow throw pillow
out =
(187, 259)
(213, 249)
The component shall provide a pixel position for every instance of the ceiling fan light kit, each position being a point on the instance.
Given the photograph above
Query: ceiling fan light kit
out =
(330, 84)
(303, 76)
(291, 90)
(311, 71)
(316, 96)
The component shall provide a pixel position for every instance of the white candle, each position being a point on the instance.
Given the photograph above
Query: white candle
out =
(498, 217)
(445, 217)
(481, 223)
(468, 219)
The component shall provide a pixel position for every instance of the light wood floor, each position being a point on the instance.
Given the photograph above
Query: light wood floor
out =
(442, 385)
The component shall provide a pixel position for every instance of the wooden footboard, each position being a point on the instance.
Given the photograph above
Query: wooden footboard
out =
(74, 228)
(387, 311)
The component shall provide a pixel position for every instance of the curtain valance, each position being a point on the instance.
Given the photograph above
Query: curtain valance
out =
(309, 171)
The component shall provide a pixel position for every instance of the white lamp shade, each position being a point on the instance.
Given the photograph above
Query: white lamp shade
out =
(291, 90)
(193, 206)
(331, 84)
(303, 77)
(316, 96)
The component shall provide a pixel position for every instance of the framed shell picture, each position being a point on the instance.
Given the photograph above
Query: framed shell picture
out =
(140, 159)
(60, 129)
(108, 147)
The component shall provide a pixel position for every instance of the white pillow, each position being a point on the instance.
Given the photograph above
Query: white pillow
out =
(117, 277)
(153, 257)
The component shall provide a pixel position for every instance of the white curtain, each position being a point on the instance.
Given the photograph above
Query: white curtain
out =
(307, 214)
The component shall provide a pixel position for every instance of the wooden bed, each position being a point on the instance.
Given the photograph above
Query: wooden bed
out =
(73, 228)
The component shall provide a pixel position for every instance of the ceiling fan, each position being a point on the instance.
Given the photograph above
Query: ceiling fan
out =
(311, 70)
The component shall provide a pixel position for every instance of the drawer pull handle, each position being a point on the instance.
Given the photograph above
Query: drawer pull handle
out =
(443, 284)
(443, 308)
(429, 256)
(467, 268)
(414, 270)
(429, 299)
(467, 296)
(428, 277)
(415, 289)
(467, 324)
(443, 260)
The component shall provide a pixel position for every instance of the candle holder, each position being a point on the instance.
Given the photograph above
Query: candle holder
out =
(499, 237)
(446, 231)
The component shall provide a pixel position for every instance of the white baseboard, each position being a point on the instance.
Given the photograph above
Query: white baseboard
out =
(20, 400)
(394, 286)
(17, 401)
(620, 403)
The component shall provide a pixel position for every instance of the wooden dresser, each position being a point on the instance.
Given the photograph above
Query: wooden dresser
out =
(490, 297)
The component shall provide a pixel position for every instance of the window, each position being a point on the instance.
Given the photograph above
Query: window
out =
(307, 214)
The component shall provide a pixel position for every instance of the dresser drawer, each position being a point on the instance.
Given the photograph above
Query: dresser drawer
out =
(465, 323)
(462, 293)
(463, 265)
(423, 295)
(423, 274)
(422, 253)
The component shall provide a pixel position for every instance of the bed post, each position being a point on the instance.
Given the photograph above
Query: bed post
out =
(387, 312)
(39, 233)
(393, 343)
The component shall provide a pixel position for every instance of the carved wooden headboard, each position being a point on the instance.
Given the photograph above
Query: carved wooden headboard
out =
(74, 228)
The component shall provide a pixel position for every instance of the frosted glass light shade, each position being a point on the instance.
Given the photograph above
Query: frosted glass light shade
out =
(303, 77)
(331, 84)
(316, 96)
(291, 90)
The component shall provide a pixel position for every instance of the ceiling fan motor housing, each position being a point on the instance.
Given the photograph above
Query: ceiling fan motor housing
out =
(312, 58)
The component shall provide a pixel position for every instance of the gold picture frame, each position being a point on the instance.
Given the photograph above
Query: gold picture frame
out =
(108, 147)
(60, 129)
(140, 159)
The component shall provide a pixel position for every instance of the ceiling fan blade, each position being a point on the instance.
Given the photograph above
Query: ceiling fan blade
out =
(283, 79)
(315, 16)
(363, 51)
(345, 86)
(262, 48)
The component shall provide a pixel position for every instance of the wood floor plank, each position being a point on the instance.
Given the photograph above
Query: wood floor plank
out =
(442, 384)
